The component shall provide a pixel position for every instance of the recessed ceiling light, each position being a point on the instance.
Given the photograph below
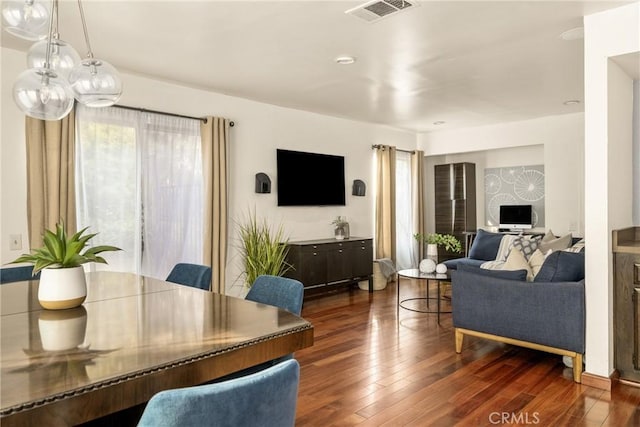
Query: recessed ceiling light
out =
(571, 102)
(573, 34)
(439, 122)
(345, 60)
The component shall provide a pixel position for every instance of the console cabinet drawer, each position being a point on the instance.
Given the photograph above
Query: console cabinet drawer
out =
(327, 261)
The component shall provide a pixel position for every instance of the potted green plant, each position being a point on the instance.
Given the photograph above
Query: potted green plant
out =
(263, 250)
(62, 280)
(433, 240)
(341, 228)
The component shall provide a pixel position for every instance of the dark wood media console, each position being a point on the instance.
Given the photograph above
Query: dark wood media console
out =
(326, 262)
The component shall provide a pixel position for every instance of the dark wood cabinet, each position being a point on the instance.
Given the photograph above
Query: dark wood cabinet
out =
(455, 203)
(328, 261)
(626, 302)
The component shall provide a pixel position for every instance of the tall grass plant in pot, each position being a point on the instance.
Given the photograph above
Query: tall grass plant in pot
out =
(264, 250)
(62, 280)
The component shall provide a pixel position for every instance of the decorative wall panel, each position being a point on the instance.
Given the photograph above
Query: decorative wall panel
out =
(516, 185)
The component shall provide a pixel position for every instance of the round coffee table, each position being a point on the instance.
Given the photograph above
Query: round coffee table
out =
(414, 273)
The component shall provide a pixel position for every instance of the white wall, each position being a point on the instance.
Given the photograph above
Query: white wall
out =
(260, 129)
(555, 141)
(608, 112)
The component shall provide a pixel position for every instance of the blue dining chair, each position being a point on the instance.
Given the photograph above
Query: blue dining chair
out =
(194, 275)
(278, 291)
(266, 399)
(17, 274)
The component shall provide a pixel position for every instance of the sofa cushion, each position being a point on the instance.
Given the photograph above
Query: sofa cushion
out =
(578, 246)
(517, 261)
(561, 266)
(498, 274)
(506, 244)
(527, 245)
(536, 262)
(558, 244)
(485, 245)
(452, 264)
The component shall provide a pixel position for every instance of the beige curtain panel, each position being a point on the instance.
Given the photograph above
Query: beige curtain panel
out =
(215, 151)
(386, 202)
(50, 175)
(418, 197)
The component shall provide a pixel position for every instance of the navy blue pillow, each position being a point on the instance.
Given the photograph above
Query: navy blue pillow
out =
(561, 266)
(498, 274)
(485, 245)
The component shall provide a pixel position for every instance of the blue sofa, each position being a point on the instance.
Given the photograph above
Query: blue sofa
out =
(546, 314)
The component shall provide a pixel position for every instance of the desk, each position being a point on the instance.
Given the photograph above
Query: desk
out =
(138, 336)
(414, 273)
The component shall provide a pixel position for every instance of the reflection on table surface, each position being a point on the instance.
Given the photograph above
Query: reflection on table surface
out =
(415, 273)
(128, 326)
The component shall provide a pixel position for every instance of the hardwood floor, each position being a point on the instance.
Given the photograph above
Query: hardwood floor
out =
(367, 369)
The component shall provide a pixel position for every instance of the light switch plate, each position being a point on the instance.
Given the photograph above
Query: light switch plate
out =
(15, 242)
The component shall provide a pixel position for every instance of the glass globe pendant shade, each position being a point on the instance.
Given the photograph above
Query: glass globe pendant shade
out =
(63, 57)
(27, 19)
(95, 83)
(42, 94)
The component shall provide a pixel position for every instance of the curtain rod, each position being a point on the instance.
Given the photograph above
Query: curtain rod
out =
(146, 110)
(376, 146)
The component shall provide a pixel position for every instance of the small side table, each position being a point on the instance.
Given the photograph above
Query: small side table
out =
(414, 273)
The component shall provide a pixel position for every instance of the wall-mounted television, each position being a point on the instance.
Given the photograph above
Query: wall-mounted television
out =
(310, 179)
(516, 216)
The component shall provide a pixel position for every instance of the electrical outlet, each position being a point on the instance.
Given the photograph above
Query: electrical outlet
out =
(15, 242)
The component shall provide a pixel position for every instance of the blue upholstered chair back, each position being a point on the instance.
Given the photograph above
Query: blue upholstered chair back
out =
(278, 291)
(17, 274)
(194, 275)
(265, 399)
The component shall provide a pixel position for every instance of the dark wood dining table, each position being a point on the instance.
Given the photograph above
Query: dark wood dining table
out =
(133, 337)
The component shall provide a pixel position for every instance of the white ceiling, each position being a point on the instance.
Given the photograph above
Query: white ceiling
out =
(466, 63)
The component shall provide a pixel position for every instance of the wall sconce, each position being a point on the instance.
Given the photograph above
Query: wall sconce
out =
(263, 183)
(359, 188)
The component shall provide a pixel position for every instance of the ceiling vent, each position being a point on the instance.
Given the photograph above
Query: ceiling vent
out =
(375, 10)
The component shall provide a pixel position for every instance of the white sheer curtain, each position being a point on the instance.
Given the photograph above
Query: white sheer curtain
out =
(139, 184)
(172, 193)
(405, 243)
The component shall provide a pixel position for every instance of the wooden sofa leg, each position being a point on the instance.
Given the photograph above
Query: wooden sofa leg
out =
(459, 338)
(577, 368)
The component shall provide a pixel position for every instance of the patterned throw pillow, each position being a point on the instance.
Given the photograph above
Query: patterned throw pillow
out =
(506, 244)
(527, 245)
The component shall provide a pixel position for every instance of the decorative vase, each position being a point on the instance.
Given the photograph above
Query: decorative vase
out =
(432, 252)
(342, 231)
(62, 288)
(62, 329)
(427, 266)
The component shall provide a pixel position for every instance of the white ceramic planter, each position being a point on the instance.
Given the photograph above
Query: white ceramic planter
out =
(62, 288)
(432, 252)
(62, 329)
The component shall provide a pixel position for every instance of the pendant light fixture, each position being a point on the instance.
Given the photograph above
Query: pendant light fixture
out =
(26, 19)
(56, 75)
(40, 92)
(63, 57)
(95, 82)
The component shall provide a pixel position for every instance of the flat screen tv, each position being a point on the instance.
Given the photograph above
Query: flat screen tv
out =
(310, 179)
(516, 216)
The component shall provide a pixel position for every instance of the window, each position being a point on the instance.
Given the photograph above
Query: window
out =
(139, 185)
(405, 243)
